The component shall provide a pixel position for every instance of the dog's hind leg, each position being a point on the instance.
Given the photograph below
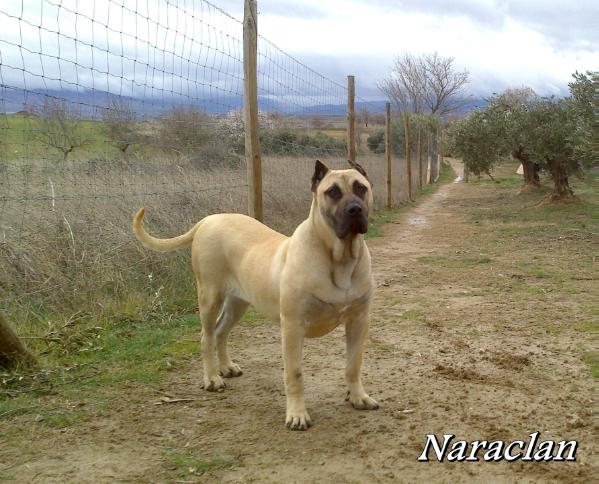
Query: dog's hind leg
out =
(233, 309)
(210, 300)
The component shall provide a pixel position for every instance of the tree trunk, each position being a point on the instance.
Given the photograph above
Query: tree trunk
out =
(12, 351)
(531, 173)
(531, 169)
(561, 186)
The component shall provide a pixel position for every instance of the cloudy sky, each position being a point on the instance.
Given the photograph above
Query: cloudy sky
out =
(538, 43)
(146, 48)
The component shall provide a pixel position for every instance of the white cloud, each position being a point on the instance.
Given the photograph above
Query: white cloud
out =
(502, 43)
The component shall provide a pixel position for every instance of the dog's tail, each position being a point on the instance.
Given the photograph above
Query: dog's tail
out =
(162, 245)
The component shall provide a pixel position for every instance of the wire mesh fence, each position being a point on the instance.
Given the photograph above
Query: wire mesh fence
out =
(110, 105)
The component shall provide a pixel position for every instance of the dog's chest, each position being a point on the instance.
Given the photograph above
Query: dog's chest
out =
(322, 317)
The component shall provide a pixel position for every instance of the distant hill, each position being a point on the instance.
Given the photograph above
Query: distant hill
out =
(92, 102)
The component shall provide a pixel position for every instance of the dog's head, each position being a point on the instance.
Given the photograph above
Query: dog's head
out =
(343, 198)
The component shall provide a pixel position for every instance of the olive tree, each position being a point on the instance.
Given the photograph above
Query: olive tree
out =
(476, 140)
(553, 133)
(509, 110)
(584, 101)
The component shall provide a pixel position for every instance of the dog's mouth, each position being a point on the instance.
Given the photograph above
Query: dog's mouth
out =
(351, 226)
(349, 218)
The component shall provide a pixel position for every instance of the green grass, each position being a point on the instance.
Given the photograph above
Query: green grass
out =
(583, 327)
(60, 419)
(588, 326)
(185, 463)
(118, 356)
(380, 219)
(252, 317)
(20, 142)
(539, 270)
(591, 358)
(527, 229)
(454, 263)
(497, 181)
(140, 353)
(414, 315)
(530, 211)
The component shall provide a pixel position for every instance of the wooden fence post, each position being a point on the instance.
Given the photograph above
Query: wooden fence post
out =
(439, 150)
(250, 109)
(408, 152)
(429, 167)
(351, 118)
(434, 157)
(419, 141)
(388, 147)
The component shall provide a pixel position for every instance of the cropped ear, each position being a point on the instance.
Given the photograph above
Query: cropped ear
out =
(358, 167)
(320, 170)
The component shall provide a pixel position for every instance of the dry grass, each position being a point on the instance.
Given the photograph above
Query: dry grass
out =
(66, 246)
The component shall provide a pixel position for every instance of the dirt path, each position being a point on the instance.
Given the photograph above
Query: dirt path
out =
(450, 351)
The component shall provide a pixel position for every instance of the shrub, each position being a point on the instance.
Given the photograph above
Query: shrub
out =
(287, 142)
(376, 141)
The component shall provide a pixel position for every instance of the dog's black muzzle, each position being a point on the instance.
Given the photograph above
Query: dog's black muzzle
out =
(353, 219)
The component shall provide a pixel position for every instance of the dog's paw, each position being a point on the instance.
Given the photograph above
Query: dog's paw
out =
(231, 371)
(298, 421)
(214, 384)
(362, 402)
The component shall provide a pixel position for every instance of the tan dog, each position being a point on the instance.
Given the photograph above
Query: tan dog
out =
(310, 282)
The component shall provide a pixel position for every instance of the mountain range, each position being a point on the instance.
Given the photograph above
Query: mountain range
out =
(90, 103)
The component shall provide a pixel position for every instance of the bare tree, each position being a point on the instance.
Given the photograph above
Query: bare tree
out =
(59, 126)
(120, 124)
(364, 116)
(420, 84)
(444, 85)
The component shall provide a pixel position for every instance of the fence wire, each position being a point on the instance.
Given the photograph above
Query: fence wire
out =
(110, 105)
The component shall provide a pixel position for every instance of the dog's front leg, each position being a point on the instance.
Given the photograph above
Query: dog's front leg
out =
(356, 331)
(293, 341)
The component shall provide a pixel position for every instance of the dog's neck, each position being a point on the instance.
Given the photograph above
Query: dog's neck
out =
(345, 253)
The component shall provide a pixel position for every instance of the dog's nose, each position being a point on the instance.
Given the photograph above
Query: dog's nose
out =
(353, 209)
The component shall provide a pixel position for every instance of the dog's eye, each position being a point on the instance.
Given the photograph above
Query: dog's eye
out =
(359, 189)
(334, 192)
